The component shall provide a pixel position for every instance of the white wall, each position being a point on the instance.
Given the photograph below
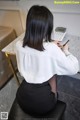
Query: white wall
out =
(64, 15)
(68, 20)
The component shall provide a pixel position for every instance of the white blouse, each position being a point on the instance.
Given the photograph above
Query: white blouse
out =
(39, 66)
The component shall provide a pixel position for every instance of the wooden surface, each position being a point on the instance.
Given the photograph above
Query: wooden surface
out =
(5, 70)
(7, 35)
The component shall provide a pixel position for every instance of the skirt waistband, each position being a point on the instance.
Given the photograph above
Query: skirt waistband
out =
(36, 85)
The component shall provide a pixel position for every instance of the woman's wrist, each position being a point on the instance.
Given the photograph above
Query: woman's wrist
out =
(67, 53)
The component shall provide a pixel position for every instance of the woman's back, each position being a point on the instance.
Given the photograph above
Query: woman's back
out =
(39, 66)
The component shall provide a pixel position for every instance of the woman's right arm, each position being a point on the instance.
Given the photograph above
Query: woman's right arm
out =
(67, 64)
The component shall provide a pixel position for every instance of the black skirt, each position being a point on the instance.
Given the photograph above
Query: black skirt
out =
(35, 98)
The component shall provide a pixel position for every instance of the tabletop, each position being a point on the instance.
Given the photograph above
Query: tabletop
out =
(10, 48)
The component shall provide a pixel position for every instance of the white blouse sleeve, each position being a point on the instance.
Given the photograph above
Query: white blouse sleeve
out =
(19, 56)
(67, 64)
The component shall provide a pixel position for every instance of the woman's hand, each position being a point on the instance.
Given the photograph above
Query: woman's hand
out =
(57, 43)
(65, 47)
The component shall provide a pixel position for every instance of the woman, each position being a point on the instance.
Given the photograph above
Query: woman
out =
(39, 60)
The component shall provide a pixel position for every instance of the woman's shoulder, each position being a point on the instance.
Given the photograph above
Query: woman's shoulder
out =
(53, 49)
(50, 45)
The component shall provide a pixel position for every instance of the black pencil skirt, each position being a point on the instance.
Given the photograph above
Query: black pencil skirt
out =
(35, 98)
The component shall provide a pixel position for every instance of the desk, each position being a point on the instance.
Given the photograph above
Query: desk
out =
(74, 48)
(10, 50)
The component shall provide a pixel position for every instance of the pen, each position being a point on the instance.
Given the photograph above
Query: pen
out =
(66, 43)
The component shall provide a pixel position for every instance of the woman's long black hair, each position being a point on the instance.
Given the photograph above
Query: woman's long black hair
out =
(39, 26)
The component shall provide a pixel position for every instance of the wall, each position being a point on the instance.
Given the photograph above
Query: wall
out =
(68, 20)
(64, 15)
(11, 18)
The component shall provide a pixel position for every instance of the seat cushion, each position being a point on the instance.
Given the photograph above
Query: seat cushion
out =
(16, 113)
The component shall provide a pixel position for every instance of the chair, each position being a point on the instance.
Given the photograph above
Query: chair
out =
(16, 113)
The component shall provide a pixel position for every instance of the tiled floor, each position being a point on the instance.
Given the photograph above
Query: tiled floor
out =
(69, 92)
(7, 95)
